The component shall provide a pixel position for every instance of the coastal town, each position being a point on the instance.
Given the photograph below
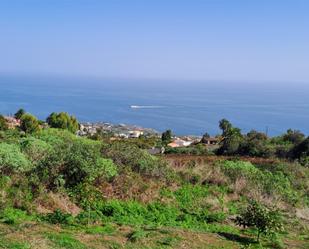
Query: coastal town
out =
(125, 131)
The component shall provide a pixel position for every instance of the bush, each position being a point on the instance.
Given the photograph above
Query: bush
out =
(13, 216)
(58, 217)
(29, 123)
(236, 169)
(127, 155)
(72, 160)
(12, 160)
(265, 221)
(36, 150)
(84, 163)
(3, 124)
(198, 149)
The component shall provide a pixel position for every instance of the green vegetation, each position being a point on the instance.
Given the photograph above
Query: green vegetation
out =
(63, 120)
(3, 124)
(71, 192)
(166, 137)
(29, 123)
(265, 221)
(19, 113)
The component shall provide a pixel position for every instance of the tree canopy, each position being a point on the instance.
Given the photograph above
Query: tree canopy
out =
(63, 120)
(166, 136)
(29, 123)
(231, 138)
(19, 113)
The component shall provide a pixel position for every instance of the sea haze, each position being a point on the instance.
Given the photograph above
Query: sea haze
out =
(184, 107)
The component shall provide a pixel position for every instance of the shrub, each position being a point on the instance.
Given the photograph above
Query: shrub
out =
(36, 150)
(236, 169)
(12, 160)
(13, 216)
(84, 163)
(3, 124)
(265, 221)
(73, 160)
(29, 123)
(127, 155)
(58, 217)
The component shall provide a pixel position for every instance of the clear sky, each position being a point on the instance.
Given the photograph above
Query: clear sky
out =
(259, 40)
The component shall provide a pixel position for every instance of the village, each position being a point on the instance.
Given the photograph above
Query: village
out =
(125, 131)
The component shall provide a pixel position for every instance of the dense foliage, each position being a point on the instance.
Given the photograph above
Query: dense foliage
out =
(264, 220)
(29, 123)
(63, 120)
(3, 124)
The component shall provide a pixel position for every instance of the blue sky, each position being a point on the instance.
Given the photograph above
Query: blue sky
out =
(245, 40)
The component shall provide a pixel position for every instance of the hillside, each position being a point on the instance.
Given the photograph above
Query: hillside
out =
(62, 191)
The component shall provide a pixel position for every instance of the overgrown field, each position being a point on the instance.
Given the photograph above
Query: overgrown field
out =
(61, 191)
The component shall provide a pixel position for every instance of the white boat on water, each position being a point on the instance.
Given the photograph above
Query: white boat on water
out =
(145, 106)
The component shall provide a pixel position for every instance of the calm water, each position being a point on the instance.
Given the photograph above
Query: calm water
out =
(185, 107)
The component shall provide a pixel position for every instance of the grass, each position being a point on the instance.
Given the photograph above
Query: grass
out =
(5, 244)
(113, 236)
(64, 240)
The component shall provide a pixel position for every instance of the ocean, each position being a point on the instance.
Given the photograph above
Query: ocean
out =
(184, 107)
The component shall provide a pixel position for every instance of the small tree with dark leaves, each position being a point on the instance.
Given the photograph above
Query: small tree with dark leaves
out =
(265, 220)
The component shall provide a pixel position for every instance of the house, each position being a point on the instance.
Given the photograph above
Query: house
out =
(179, 143)
(135, 134)
(12, 122)
(210, 141)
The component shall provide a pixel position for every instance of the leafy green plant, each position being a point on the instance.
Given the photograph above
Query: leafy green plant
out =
(137, 235)
(29, 123)
(64, 240)
(106, 229)
(236, 169)
(13, 216)
(265, 221)
(12, 160)
(3, 124)
(63, 120)
(59, 217)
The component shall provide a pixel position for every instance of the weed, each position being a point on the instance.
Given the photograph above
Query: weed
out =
(63, 240)
(137, 235)
(13, 216)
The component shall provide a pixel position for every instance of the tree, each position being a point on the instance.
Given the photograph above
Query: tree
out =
(225, 126)
(29, 123)
(231, 138)
(266, 221)
(255, 144)
(3, 124)
(166, 137)
(63, 120)
(293, 136)
(301, 150)
(205, 137)
(19, 113)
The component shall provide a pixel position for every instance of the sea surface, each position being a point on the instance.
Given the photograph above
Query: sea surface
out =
(185, 107)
